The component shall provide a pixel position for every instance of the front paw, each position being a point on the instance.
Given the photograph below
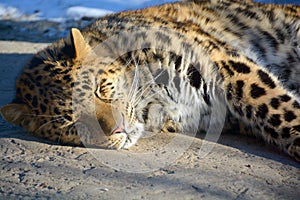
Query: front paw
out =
(171, 126)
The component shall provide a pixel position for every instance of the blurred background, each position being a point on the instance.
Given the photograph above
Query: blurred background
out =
(51, 19)
(59, 10)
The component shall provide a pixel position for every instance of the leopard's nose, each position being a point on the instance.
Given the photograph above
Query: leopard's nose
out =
(120, 127)
(118, 130)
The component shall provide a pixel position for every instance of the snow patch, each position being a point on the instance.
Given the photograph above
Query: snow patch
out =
(78, 12)
(8, 12)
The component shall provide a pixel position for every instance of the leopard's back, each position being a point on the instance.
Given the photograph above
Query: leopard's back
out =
(267, 34)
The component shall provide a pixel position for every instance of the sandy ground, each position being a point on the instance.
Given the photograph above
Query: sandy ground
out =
(238, 167)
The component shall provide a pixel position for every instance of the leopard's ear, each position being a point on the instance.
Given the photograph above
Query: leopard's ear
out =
(81, 48)
(15, 113)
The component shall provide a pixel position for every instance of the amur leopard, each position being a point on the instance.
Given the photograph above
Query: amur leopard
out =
(165, 69)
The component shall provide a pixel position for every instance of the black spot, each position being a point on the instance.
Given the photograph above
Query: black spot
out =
(232, 53)
(285, 133)
(31, 87)
(289, 116)
(257, 91)
(34, 101)
(275, 120)
(275, 103)
(227, 68)
(25, 82)
(290, 59)
(239, 89)
(285, 98)
(235, 20)
(56, 111)
(240, 67)
(163, 37)
(171, 129)
(103, 81)
(285, 74)
(266, 79)
(145, 113)
(238, 110)
(67, 78)
(42, 133)
(249, 111)
(271, 40)
(258, 47)
(270, 15)
(207, 20)
(229, 92)
(86, 87)
(81, 94)
(280, 35)
(206, 95)
(296, 142)
(47, 68)
(251, 14)
(43, 108)
(188, 47)
(72, 84)
(296, 104)
(262, 111)
(194, 76)
(178, 62)
(111, 71)
(67, 117)
(57, 133)
(100, 71)
(28, 97)
(41, 91)
(297, 128)
(271, 131)
(38, 78)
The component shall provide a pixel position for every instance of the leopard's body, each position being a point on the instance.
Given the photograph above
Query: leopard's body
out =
(166, 68)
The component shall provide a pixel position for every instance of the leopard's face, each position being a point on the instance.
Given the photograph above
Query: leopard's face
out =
(116, 108)
(50, 99)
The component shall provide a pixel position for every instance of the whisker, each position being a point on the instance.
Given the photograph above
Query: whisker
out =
(43, 125)
(144, 93)
(137, 79)
(148, 85)
(148, 97)
(128, 62)
(35, 115)
(132, 85)
(135, 82)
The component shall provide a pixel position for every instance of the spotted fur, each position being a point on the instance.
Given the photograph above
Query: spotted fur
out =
(196, 55)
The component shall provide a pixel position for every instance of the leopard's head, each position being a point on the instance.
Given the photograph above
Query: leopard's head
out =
(60, 90)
